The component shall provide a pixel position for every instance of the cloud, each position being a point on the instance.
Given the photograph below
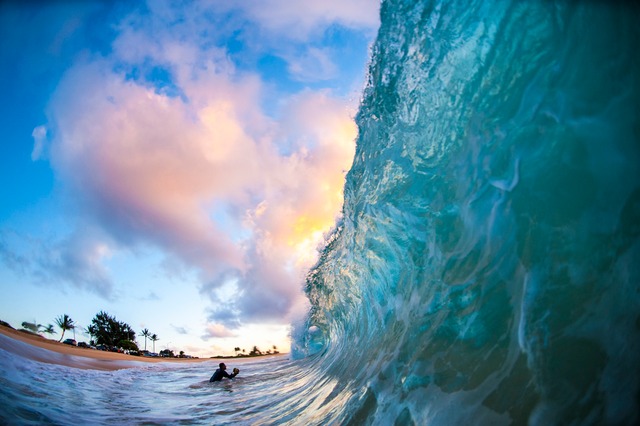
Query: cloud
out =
(12, 260)
(303, 18)
(313, 64)
(39, 135)
(79, 261)
(217, 330)
(148, 166)
(76, 261)
(152, 296)
(186, 160)
(179, 329)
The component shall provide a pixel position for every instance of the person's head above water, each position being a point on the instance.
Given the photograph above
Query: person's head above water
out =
(222, 366)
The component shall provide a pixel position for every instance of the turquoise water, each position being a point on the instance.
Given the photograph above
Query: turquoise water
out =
(487, 266)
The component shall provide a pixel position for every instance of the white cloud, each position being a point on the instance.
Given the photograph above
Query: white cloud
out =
(303, 18)
(314, 64)
(39, 135)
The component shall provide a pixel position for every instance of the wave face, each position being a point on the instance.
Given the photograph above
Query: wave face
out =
(487, 266)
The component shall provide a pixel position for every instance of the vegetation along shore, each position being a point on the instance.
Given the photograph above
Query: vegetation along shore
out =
(111, 340)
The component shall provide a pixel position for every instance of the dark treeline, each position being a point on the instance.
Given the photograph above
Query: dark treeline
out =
(107, 330)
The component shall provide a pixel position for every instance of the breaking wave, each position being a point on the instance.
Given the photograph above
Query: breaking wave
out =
(487, 266)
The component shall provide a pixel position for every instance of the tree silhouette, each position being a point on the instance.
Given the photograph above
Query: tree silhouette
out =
(154, 338)
(32, 326)
(49, 330)
(109, 331)
(145, 334)
(236, 350)
(92, 331)
(167, 353)
(65, 323)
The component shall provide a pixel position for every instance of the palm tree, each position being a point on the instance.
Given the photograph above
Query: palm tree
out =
(236, 350)
(49, 329)
(275, 349)
(154, 338)
(145, 333)
(65, 323)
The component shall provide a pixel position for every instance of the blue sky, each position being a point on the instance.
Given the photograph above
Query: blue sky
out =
(174, 164)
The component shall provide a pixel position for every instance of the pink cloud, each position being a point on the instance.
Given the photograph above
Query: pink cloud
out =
(144, 166)
(217, 330)
(154, 169)
(203, 173)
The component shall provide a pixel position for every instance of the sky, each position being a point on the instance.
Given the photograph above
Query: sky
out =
(174, 164)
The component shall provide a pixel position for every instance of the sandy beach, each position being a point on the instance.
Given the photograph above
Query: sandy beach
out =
(50, 351)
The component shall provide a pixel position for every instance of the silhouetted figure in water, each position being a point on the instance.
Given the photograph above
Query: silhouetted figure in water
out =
(221, 372)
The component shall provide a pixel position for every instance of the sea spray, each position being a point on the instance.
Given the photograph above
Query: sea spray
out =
(487, 266)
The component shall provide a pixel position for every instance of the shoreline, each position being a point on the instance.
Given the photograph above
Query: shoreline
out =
(41, 349)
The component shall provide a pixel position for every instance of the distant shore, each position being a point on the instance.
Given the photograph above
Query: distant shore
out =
(41, 349)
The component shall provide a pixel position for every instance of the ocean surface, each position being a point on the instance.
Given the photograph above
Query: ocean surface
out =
(486, 269)
(38, 393)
